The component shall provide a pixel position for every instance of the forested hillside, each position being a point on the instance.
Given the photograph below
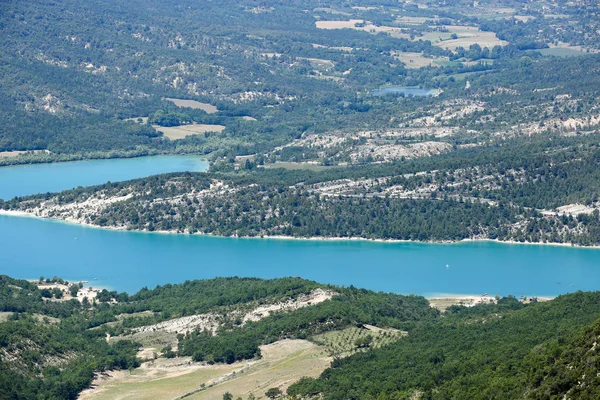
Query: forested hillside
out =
(283, 75)
(283, 101)
(53, 347)
(506, 351)
(526, 190)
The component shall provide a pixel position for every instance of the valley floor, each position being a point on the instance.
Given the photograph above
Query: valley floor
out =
(282, 363)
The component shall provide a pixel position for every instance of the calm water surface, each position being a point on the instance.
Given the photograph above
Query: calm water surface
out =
(23, 180)
(127, 261)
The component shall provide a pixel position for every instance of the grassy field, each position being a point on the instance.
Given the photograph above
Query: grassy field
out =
(207, 108)
(466, 35)
(282, 364)
(179, 132)
(344, 343)
(338, 24)
(368, 27)
(485, 61)
(562, 51)
(163, 379)
(417, 60)
(4, 316)
(487, 12)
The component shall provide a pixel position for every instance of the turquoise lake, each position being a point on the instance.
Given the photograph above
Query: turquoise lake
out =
(127, 261)
(23, 180)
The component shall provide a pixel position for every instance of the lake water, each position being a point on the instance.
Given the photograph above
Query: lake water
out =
(127, 261)
(407, 91)
(23, 180)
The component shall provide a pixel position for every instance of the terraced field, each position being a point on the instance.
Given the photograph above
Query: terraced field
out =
(352, 340)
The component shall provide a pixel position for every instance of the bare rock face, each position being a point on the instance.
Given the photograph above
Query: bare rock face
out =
(212, 321)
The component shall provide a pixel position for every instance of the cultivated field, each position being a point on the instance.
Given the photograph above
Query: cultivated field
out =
(362, 26)
(179, 132)
(489, 12)
(11, 154)
(413, 60)
(282, 364)
(344, 343)
(207, 108)
(565, 50)
(466, 35)
(338, 24)
(159, 379)
(16, 153)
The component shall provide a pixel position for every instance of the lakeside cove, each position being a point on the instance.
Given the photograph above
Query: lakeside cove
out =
(27, 179)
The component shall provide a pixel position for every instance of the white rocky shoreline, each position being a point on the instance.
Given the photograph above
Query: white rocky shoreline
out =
(82, 222)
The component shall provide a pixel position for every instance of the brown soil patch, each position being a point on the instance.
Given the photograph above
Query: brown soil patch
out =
(207, 108)
(179, 132)
(16, 153)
